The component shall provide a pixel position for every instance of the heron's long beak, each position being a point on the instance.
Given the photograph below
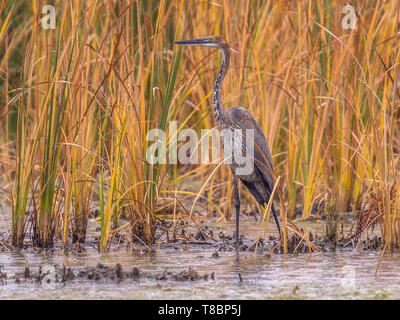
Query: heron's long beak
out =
(195, 42)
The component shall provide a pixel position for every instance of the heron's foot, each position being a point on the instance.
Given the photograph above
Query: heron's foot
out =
(237, 243)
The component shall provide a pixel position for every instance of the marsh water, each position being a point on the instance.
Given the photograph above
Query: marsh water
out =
(342, 274)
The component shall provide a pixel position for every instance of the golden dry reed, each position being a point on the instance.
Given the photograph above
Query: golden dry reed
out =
(78, 100)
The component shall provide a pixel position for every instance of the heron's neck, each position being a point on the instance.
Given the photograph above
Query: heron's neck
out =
(217, 91)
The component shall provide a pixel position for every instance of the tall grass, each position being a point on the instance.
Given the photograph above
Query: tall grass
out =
(77, 103)
(86, 100)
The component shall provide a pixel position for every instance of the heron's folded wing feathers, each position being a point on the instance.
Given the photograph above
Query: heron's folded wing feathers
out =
(243, 119)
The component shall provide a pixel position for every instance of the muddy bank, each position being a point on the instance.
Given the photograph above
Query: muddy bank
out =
(220, 241)
(324, 233)
(224, 242)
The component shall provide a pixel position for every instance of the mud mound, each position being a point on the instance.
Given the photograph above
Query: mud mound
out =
(187, 275)
(57, 274)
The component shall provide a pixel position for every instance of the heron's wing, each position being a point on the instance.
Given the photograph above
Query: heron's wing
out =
(243, 119)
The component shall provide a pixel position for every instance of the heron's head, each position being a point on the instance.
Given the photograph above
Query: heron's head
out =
(218, 42)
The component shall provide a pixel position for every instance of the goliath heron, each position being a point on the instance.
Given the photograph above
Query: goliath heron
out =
(260, 181)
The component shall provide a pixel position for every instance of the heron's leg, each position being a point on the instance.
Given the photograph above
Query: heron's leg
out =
(237, 206)
(276, 217)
